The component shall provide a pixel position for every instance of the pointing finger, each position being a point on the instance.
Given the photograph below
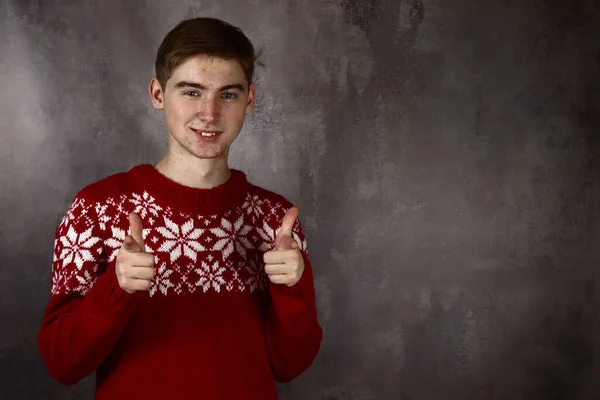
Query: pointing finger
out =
(135, 225)
(286, 228)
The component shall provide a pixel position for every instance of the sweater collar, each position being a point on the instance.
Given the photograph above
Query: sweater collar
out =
(217, 200)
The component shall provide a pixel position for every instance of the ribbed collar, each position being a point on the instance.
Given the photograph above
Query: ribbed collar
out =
(217, 200)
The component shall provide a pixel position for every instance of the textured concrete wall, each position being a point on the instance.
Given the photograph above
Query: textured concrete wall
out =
(444, 155)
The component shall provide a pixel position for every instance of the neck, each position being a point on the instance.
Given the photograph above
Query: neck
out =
(197, 173)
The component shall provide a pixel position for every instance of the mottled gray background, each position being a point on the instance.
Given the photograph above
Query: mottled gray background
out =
(443, 154)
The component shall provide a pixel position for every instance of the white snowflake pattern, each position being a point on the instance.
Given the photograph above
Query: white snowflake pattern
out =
(54, 253)
(73, 212)
(103, 218)
(85, 280)
(210, 276)
(253, 206)
(257, 278)
(145, 205)
(184, 282)
(77, 247)
(235, 283)
(60, 277)
(115, 242)
(161, 280)
(230, 235)
(268, 235)
(120, 208)
(208, 220)
(180, 241)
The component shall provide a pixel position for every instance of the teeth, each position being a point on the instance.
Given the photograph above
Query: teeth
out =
(208, 134)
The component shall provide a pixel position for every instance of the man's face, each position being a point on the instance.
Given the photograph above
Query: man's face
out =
(204, 94)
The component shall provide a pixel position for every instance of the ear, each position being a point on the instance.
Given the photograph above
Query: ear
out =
(251, 96)
(156, 94)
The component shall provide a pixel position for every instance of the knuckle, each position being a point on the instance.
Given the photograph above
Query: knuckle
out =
(121, 257)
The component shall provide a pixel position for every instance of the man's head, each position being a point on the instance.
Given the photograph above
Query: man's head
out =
(207, 36)
(204, 71)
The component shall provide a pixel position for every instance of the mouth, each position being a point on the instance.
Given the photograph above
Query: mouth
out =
(207, 134)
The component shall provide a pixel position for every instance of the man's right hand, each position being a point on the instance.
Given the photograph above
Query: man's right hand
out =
(135, 267)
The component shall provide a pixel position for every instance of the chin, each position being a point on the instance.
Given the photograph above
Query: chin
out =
(208, 155)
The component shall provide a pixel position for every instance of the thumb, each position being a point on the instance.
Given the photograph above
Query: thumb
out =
(135, 228)
(284, 237)
(131, 245)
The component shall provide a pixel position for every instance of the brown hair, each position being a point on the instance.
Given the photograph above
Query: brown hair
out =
(208, 36)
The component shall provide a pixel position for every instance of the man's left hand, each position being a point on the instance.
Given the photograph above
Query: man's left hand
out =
(285, 264)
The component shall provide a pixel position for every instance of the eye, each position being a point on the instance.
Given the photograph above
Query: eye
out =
(191, 93)
(229, 96)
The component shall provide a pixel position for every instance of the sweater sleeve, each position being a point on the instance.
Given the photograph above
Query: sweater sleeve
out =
(87, 309)
(293, 332)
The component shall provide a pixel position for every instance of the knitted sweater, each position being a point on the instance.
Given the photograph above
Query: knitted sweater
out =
(211, 326)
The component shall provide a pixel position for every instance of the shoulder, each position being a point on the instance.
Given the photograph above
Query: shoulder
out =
(271, 207)
(111, 186)
(268, 198)
(96, 196)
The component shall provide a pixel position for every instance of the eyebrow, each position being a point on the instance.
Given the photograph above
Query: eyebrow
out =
(183, 84)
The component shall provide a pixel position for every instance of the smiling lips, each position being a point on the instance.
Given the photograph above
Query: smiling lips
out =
(207, 133)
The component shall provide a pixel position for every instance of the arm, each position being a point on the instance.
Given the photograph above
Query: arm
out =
(293, 333)
(87, 310)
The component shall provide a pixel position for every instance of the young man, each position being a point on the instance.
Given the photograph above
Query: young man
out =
(183, 280)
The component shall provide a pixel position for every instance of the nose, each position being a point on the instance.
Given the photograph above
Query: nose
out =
(209, 109)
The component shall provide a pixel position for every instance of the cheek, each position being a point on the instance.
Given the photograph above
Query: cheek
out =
(236, 115)
(176, 114)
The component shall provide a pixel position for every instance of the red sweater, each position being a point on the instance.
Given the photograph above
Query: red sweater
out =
(211, 326)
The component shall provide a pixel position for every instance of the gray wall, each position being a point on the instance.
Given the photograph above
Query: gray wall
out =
(444, 156)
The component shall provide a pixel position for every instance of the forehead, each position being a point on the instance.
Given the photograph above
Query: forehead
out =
(210, 71)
